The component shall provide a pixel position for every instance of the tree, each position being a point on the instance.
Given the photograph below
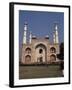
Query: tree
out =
(61, 54)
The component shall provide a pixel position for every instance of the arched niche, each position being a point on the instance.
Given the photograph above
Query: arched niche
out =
(52, 50)
(52, 57)
(40, 53)
(27, 59)
(28, 50)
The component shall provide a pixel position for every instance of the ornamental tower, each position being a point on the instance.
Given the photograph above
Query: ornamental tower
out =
(30, 38)
(25, 33)
(55, 34)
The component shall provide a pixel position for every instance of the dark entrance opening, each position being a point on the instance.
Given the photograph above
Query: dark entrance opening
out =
(40, 51)
(41, 59)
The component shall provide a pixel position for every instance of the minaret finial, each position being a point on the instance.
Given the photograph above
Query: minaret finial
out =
(25, 33)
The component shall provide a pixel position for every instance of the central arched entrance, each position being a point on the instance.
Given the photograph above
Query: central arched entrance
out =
(40, 53)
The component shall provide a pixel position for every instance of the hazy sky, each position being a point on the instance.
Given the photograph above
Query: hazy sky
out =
(41, 24)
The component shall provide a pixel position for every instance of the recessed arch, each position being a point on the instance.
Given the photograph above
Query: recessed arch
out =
(52, 57)
(28, 50)
(40, 53)
(27, 59)
(41, 45)
(52, 50)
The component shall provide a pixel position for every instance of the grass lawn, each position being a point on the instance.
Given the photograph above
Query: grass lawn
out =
(42, 71)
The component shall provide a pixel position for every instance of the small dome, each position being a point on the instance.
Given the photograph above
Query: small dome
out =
(47, 37)
(34, 37)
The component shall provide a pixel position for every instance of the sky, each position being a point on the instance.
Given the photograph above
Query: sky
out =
(41, 23)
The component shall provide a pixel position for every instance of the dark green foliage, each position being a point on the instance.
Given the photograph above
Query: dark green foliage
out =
(61, 54)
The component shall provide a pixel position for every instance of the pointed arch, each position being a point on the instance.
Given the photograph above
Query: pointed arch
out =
(52, 50)
(27, 59)
(40, 53)
(52, 57)
(28, 50)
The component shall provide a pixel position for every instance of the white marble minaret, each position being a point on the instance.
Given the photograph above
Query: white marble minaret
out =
(25, 33)
(30, 38)
(55, 35)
